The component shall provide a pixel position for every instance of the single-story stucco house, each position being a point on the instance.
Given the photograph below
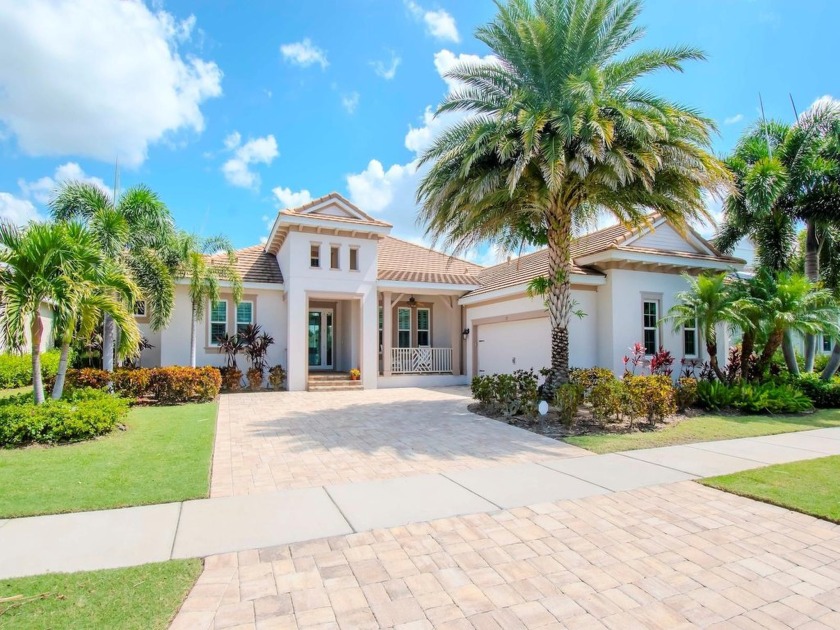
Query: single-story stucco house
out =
(336, 292)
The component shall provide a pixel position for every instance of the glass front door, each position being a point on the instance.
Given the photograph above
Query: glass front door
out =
(321, 339)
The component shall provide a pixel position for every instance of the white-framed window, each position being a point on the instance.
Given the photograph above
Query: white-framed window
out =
(825, 343)
(335, 252)
(403, 327)
(315, 255)
(354, 259)
(650, 326)
(140, 308)
(690, 346)
(218, 321)
(244, 315)
(423, 327)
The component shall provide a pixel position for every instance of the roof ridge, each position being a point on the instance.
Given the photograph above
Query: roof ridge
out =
(436, 251)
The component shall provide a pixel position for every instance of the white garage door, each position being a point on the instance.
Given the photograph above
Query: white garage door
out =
(505, 347)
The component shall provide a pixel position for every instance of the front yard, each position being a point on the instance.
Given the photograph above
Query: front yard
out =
(142, 598)
(705, 428)
(163, 455)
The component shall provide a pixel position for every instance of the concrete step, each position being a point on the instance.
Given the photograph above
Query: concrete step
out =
(335, 386)
(328, 376)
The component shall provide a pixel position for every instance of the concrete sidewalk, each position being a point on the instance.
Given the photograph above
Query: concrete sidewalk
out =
(132, 536)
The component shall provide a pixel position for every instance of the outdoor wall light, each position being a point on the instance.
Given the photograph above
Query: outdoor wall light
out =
(466, 333)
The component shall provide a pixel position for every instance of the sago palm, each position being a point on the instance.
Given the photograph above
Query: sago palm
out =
(135, 231)
(206, 263)
(558, 132)
(39, 265)
(709, 303)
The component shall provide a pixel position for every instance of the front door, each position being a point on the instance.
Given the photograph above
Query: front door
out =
(321, 338)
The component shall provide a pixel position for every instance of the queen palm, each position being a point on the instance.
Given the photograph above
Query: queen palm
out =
(40, 264)
(556, 133)
(206, 263)
(135, 230)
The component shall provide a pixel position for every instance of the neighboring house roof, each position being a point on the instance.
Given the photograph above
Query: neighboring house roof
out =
(361, 217)
(400, 260)
(254, 264)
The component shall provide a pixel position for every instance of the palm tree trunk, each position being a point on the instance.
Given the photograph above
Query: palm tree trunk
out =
(192, 338)
(108, 343)
(712, 349)
(60, 376)
(37, 379)
(790, 355)
(774, 340)
(812, 272)
(747, 346)
(559, 296)
(833, 363)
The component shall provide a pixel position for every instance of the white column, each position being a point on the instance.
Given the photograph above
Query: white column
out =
(297, 365)
(387, 333)
(455, 325)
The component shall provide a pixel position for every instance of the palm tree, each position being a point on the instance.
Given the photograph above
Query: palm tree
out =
(557, 133)
(206, 263)
(38, 265)
(136, 231)
(709, 302)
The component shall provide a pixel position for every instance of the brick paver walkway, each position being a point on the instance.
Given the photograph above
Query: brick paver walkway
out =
(672, 556)
(274, 441)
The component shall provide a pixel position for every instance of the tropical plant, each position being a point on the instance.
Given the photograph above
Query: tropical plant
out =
(136, 231)
(206, 263)
(708, 302)
(558, 132)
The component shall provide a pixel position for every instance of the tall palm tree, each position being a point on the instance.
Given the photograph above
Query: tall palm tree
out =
(206, 263)
(558, 132)
(39, 264)
(709, 302)
(135, 230)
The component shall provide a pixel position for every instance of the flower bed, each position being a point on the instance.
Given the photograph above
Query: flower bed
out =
(163, 386)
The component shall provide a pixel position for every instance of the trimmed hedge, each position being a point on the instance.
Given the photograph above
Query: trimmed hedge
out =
(825, 395)
(164, 386)
(84, 414)
(16, 369)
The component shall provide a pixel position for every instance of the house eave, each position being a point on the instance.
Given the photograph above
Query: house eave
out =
(271, 286)
(426, 287)
(521, 289)
(619, 255)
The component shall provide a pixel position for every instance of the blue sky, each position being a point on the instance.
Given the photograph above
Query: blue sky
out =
(231, 110)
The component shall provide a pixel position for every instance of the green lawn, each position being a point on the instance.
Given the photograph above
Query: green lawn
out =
(809, 486)
(144, 597)
(707, 428)
(164, 455)
(5, 393)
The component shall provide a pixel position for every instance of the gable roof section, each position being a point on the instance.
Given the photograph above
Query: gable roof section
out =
(254, 264)
(343, 211)
(520, 271)
(402, 261)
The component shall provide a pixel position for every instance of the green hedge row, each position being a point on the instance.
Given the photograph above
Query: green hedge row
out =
(164, 385)
(826, 395)
(16, 369)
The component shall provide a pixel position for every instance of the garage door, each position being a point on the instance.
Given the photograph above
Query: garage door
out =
(505, 347)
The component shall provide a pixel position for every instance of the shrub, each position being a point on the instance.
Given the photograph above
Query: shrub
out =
(84, 414)
(588, 378)
(820, 362)
(754, 398)
(132, 382)
(609, 400)
(16, 369)
(482, 389)
(170, 385)
(650, 397)
(87, 378)
(510, 394)
(231, 378)
(715, 395)
(255, 378)
(527, 391)
(277, 377)
(825, 395)
(567, 398)
(685, 395)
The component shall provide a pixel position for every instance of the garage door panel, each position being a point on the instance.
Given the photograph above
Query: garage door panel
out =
(505, 347)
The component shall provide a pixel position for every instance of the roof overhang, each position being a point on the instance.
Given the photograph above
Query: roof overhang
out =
(519, 290)
(437, 288)
(272, 286)
(307, 223)
(662, 261)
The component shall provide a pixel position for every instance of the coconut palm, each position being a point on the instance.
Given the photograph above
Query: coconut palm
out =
(206, 263)
(135, 230)
(557, 131)
(709, 301)
(39, 265)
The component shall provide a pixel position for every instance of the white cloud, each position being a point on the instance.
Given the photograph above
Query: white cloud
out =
(42, 189)
(377, 190)
(98, 78)
(17, 211)
(387, 70)
(237, 169)
(439, 24)
(291, 199)
(304, 53)
(733, 119)
(350, 102)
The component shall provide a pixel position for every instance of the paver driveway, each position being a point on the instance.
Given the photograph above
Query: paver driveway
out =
(274, 441)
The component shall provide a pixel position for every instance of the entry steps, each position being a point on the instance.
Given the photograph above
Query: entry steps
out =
(331, 382)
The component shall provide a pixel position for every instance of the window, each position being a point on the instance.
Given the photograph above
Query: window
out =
(315, 255)
(826, 343)
(140, 308)
(244, 316)
(690, 340)
(334, 252)
(650, 326)
(381, 326)
(354, 259)
(403, 327)
(423, 327)
(218, 321)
